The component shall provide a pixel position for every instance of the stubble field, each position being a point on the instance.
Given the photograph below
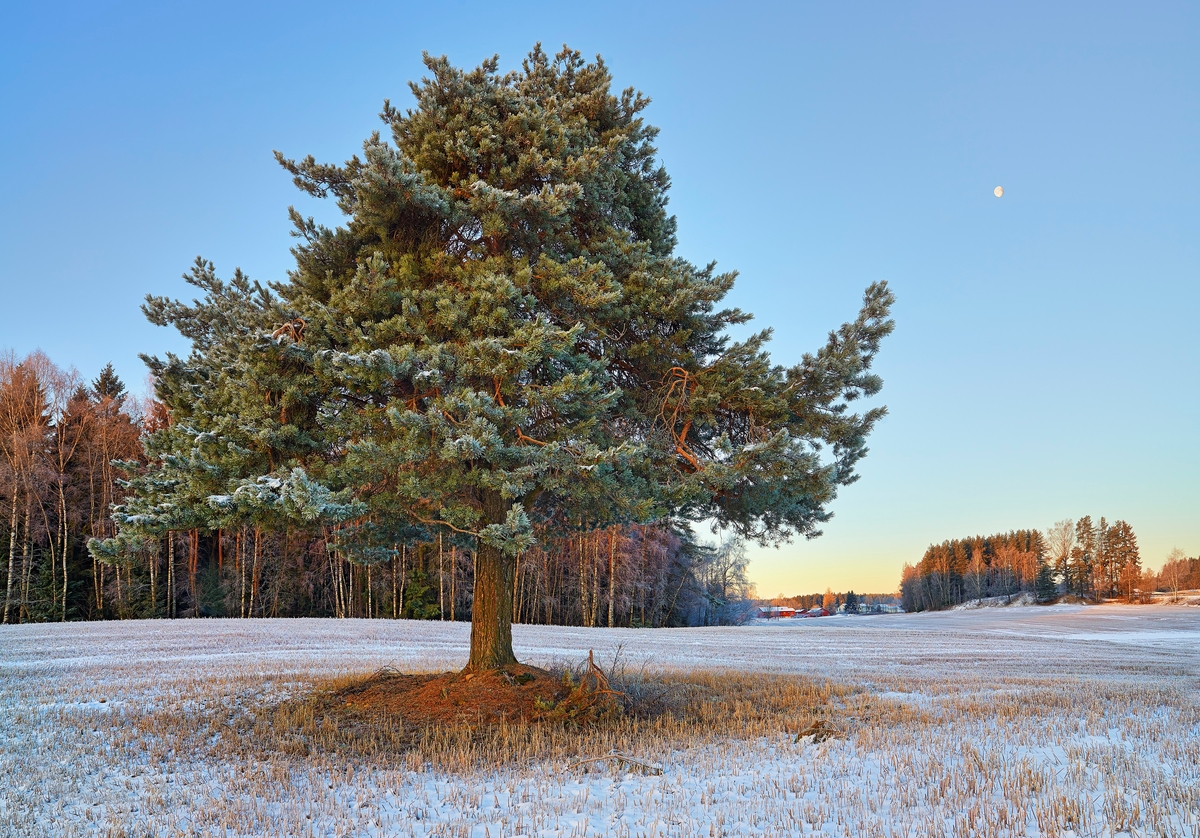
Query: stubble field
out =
(1059, 721)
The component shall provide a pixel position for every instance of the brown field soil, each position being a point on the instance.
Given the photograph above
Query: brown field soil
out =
(460, 721)
(511, 695)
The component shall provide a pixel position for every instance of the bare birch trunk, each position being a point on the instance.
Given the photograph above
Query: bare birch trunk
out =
(92, 521)
(595, 580)
(333, 584)
(612, 571)
(537, 584)
(154, 583)
(193, 559)
(583, 603)
(170, 575)
(642, 589)
(254, 571)
(62, 503)
(25, 561)
(55, 541)
(340, 586)
(240, 559)
(117, 573)
(335, 571)
(12, 551)
(403, 574)
(516, 612)
(347, 587)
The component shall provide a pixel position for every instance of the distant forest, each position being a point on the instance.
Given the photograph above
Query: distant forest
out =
(1085, 559)
(832, 600)
(67, 445)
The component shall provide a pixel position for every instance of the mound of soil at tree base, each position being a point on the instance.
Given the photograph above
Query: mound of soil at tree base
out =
(514, 694)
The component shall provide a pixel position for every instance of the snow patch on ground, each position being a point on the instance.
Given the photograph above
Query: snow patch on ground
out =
(1065, 721)
(1022, 600)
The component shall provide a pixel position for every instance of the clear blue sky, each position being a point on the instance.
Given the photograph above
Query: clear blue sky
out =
(1045, 363)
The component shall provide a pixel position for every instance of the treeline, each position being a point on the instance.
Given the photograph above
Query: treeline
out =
(1081, 558)
(1179, 573)
(58, 441)
(67, 446)
(832, 600)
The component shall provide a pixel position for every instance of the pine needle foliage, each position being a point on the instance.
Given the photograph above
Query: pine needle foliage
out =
(500, 333)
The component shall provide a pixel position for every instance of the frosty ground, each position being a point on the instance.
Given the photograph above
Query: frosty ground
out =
(1062, 720)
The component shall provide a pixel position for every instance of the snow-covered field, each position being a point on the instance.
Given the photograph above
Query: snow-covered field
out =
(1038, 721)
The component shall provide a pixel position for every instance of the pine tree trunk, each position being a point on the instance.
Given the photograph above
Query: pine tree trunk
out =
(491, 611)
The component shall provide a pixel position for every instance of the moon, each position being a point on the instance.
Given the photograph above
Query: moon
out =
(998, 191)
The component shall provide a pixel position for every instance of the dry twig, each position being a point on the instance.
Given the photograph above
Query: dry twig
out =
(622, 759)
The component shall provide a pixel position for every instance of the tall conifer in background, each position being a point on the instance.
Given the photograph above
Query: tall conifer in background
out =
(1126, 559)
(499, 334)
(108, 385)
(1045, 586)
(1083, 556)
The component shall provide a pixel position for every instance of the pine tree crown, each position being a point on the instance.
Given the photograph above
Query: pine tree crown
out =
(501, 333)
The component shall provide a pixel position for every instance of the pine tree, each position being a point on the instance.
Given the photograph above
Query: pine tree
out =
(501, 334)
(1105, 569)
(1125, 559)
(1083, 556)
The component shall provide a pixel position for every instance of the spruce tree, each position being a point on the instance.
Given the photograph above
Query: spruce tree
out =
(1045, 586)
(501, 333)
(108, 386)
